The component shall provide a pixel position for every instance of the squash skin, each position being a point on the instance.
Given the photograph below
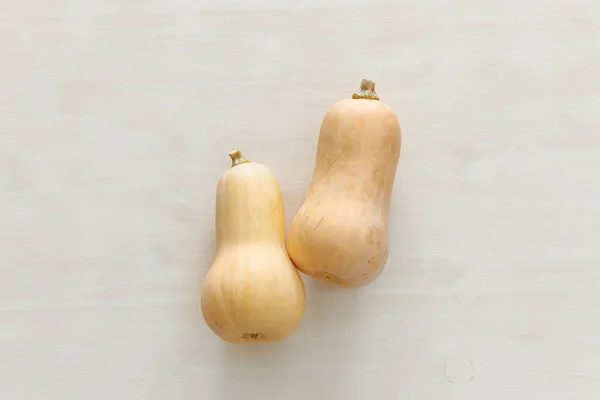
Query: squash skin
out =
(253, 292)
(340, 232)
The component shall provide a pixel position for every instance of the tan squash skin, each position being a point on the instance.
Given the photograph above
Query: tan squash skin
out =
(340, 233)
(252, 293)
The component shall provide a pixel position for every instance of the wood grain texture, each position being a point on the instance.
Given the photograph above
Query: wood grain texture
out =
(116, 118)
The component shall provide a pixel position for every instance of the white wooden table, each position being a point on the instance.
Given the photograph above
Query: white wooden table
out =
(115, 122)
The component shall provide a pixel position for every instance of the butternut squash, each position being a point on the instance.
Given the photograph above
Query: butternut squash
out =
(253, 292)
(340, 232)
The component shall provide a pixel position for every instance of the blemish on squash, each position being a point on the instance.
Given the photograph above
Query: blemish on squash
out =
(326, 276)
(370, 238)
(326, 170)
(319, 223)
(253, 336)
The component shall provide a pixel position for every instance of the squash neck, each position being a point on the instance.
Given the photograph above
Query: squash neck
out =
(366, 91)
(237, 158)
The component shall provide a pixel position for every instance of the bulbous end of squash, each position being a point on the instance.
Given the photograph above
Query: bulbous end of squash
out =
(366, 91)
(237, 158)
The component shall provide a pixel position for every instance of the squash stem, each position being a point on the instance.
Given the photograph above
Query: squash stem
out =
(366, 91)
(237, 158)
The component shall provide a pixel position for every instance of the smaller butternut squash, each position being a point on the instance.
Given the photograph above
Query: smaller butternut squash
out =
(340, 233)
(253, 292)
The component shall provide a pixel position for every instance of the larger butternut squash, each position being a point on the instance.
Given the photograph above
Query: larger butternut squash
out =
(340, 233)
(253, 292)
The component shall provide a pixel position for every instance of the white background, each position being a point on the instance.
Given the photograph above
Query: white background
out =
(116, 118)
